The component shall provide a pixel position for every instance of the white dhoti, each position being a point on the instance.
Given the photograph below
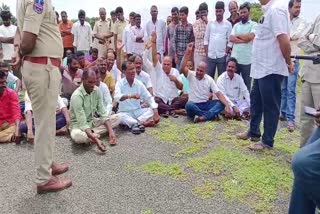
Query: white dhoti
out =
(80, 137)
(242, 105)
(133, 117)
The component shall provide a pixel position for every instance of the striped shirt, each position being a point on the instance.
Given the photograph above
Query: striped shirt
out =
(199, 30)
(267, 56)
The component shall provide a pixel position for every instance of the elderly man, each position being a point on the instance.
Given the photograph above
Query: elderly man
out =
(200, 107)
(89, 119)
(129, 91)
(10, 115)
(232, 86)
(310, 77)
(271, 62)
(234, 13)
(168, 83)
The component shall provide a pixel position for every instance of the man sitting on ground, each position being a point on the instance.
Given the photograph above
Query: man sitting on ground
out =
(106, 77)
(13, 82)
(233, 87)
(200, 107)
(129, 91)
(89, 119)
(168, 83)
(104, 93)
(62, 119)
(71, 77)
(141, 75)
(10, 115)
(83, 63)
(93, 56)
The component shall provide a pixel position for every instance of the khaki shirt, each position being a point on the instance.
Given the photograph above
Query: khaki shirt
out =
(119, 28)
(102, 27)
(38, 17)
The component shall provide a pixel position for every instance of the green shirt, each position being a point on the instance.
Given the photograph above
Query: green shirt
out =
(242, 52)
(83, 107)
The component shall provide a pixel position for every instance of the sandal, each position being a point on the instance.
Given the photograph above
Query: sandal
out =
(135, 129)
(142, 128)
(174, 115)
(259, 146)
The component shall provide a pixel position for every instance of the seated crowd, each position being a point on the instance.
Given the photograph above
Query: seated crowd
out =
(98, 94)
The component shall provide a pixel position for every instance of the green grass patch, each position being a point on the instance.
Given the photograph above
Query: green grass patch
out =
(158, 168)
(147, 211)
(286, 142)
(249, 179)
(204, 191)
(190, 150)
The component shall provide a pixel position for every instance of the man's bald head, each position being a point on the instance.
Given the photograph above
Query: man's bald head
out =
(201, 70)
(233, 7)
(167, 64)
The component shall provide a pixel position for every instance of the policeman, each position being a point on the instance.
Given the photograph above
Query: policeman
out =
(38, 46)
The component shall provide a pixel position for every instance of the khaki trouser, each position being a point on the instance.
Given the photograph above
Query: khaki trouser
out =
(80, 137)
(310, 96)
(6, 132)
(42, 83)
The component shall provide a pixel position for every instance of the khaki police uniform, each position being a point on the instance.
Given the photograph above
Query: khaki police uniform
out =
(102, 27)
(40, 70)
(310, 89)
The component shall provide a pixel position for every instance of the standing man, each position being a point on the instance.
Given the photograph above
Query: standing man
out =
(137, 36)
(82, 33)
(310, 78)
(271, 62)
(170, 32)
(241, 36)
(183, 35)
(65, 28)
(159, 26)
(216, 40)
(199, 30)
(119, 26)
(288, 99)
(234, 13)
(113, 16)
(7, 32)
(102, 33)
(40, 46)
(126, 36)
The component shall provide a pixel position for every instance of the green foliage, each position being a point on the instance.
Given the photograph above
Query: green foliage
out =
(157, 168)
(147, 211)
(256, 12)
(204, 191)
(5, 7)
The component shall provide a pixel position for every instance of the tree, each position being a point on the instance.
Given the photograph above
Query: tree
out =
(256, 12)
(5, 7)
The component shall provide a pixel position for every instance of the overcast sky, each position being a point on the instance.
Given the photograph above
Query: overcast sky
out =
(310, 8)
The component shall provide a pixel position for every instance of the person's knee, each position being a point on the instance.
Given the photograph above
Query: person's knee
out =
(300, 163)
(189, 106)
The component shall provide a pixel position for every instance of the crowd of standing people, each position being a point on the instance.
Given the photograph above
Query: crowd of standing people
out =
(83, 81)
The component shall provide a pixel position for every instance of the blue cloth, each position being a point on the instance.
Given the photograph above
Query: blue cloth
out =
(209, 109)
(306, 186)
(288, 91)
(265, 101)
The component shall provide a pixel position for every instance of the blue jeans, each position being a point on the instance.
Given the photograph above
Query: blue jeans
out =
(288, 90)
(219, 63)
(209, 109)
(306, 186)
(265, 101)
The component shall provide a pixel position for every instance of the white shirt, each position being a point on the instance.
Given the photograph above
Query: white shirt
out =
(160, 27)
(267, 56)
(82, 36)
(217, 37)
(106, 97)
(144, 77)
(8, 49)
(166, 89)
(28, 104)
(234, 89)
(116, 73)
(128, 105)
(148, 66)
(200, 89)
(298, 28)
(137, 48)
(126, 39)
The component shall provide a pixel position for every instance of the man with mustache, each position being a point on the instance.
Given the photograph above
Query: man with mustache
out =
(241, 36)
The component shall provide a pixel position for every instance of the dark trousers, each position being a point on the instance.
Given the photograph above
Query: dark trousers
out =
(209, 109)
(177, 103)
(244, 71)
(265, 101)
(219, 63)
(60, 123)
(306, 186)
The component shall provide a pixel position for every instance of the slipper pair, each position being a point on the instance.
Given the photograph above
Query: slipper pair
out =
(137, 129)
